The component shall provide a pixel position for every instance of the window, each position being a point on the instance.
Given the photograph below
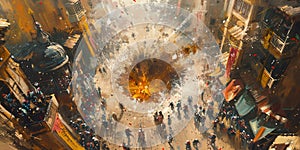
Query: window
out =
(268, 16)
(71, 10)
(275, 20)
(276, 67)
(242, 8)
(277, 43)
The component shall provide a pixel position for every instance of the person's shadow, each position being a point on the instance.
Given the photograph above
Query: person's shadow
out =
(179, 115)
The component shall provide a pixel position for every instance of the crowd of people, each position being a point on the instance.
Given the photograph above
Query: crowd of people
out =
(30, 110)
(90, 106)
(87, 137)
(89, 95)
(199, 116)
(52, 82)
(93, 101)
(237, 126)
(158, 118)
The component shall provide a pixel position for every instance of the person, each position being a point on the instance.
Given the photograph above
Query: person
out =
(196, 142)
(128, 134)
(172, 105)
(231, 131)
(169, 120)
(155, 117)
(160, 117)
(161, 114)
(195, 108)
(200, 108)
(222, 126)
(188, 145)
(121, 106)
(185, 110)
(99, 92)
(202, 95)
(141, 137)
(104, 70)
(170, 140)
(104, 146)
(103, 104)
(196, 120)
(190, 100)
(215, 123)
(212, 140)
(125, 147)
(203, 111)
(178, 106)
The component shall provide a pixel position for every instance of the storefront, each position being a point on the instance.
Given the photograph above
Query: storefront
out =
(63, 133)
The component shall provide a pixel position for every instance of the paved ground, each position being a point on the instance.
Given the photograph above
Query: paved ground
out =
(140, 41)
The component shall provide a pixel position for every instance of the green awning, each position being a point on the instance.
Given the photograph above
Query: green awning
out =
(255, 125)
(244, 104)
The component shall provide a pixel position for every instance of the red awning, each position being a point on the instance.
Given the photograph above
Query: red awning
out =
(233, 89)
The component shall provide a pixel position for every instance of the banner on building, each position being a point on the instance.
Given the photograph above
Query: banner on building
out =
(265, 78)
(64, 134)
(231, 60)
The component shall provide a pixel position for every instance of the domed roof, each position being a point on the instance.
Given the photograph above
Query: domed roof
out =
(49, 57)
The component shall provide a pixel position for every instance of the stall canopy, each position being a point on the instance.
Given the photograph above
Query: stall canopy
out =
(287, 142)
(244, 104)
(258, 128)
(233, 89)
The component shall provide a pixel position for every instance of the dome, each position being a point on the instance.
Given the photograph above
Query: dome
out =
(49, 57)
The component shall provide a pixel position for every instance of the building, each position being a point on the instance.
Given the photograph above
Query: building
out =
(76, 15)
(12, 77)
(281, 41)
(240, 15)
(75, 10)
(22, 29)
(285, 142)
(32, 113)
(47, 63)
(214, 18)
(261, 45)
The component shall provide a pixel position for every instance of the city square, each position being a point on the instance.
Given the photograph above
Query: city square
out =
(163, 74)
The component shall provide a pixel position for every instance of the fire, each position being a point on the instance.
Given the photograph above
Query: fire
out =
(140, 89)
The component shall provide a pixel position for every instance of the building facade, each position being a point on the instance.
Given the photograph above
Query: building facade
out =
(262, 44)
(32, 113)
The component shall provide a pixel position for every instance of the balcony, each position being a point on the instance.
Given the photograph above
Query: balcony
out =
(239, 16)
(277, 43)
(241, 9)
(273, 43)
(236, 32)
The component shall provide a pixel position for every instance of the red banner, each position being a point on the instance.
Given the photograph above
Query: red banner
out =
(64, 134)
(231, 60)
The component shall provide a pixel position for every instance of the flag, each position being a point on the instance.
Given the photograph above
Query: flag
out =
(231, 60)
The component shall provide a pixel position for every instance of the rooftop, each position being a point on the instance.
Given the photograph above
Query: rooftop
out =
(289, 10)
